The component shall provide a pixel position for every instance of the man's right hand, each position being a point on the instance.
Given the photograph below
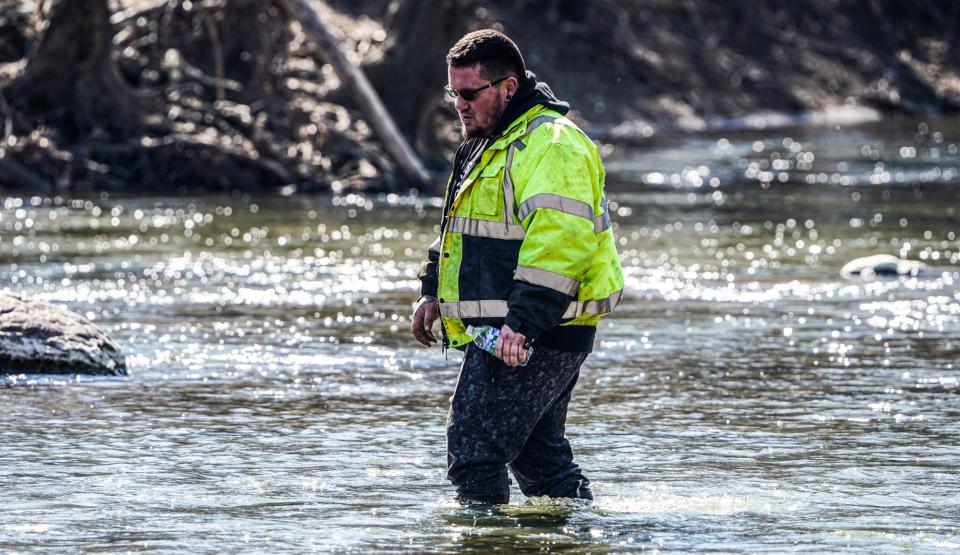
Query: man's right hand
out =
(424, 316)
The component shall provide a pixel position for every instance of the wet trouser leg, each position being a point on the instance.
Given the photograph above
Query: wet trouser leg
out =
(545, 464)
(503, 416)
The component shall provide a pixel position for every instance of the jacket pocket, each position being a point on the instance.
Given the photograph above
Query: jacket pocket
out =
(488, 192)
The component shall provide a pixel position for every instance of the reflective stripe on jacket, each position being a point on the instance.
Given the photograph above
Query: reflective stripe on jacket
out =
(531, 211)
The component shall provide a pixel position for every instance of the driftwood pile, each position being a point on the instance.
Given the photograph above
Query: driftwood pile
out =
(181, 96)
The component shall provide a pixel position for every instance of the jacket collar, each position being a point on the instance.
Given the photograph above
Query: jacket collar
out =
(529, 94)
(518, 126)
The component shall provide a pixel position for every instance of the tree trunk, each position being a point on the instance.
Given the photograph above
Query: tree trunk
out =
(411, 76)
(71, 80)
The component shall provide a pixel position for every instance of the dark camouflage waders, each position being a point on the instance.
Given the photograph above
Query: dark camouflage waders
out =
(503, 417)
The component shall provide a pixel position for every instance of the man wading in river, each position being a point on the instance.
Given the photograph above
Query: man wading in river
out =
(525, 246)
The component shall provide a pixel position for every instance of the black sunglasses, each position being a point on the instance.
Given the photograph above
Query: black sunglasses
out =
(470, 94)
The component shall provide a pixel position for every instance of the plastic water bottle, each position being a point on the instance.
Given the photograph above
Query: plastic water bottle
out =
(485, 337)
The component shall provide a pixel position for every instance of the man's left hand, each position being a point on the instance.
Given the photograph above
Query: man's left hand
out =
(510, 346)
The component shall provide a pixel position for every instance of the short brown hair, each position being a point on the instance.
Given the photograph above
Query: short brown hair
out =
(496, 53)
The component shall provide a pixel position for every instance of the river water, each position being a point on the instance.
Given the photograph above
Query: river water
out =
(744, 397)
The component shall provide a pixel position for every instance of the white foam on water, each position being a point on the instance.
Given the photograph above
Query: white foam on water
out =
(28, 528)
(919, 540)
(662, 500)
(670, 503)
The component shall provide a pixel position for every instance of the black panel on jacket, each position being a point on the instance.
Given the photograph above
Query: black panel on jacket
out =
(486, 270)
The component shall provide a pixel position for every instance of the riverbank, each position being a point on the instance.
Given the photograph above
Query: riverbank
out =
(244, 101)
(699, 65)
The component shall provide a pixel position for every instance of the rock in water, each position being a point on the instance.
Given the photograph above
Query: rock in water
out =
(882, 265)
(41, 338)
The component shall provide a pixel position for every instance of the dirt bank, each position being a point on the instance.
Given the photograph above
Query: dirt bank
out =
(632, 68)
(232, 94)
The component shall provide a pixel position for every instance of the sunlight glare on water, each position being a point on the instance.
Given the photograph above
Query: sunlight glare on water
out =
(744, 397)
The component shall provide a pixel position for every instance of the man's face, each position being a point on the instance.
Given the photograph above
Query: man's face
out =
(479, 117)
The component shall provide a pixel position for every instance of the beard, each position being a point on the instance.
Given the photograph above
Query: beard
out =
(472, 130)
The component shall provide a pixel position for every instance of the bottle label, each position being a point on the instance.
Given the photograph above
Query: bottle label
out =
(485, 337)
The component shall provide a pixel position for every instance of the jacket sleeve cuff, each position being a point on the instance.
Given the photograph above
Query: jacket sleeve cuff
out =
(520, 327)
(534, 309)
(428, 288)
(429, 274)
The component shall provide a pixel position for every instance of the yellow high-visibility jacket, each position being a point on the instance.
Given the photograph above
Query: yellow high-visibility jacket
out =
(527, 241)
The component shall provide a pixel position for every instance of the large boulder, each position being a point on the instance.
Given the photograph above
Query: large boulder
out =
(882, 265)
(41, 338)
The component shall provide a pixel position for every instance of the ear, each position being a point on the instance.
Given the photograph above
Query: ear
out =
(512, 85)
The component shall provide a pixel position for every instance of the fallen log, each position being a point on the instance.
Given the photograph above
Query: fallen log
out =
(363, 92)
